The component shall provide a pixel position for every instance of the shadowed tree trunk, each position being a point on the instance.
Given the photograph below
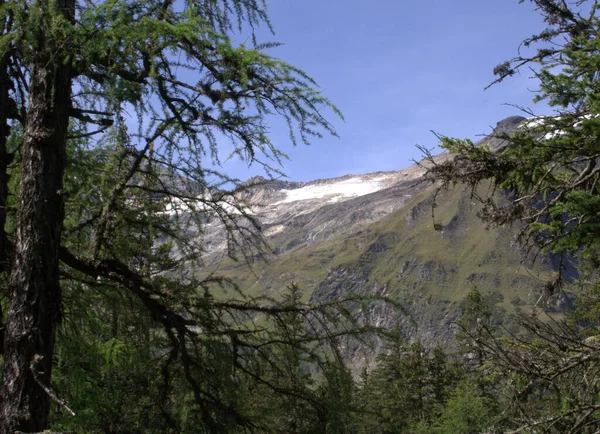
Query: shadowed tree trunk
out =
(7, 111)
(34, 309)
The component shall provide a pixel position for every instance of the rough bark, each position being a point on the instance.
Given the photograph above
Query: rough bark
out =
(5, 158)
(6, 112)
(34, 309)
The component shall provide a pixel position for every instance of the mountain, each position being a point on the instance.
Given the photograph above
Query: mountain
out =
(374, 235)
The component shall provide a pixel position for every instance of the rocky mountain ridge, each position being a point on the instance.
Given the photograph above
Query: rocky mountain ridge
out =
(320, 209)
(374, 234)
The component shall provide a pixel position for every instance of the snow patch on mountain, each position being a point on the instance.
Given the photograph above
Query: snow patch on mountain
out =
(203, 203)
(347, 188)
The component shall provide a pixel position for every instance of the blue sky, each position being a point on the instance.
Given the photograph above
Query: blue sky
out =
(397, 70)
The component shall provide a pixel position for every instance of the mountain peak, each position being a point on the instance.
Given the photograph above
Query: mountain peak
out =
(505, 126)
(508, 124)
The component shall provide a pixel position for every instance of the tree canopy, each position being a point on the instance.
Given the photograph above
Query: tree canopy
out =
(550, 164)
(544, 179)
(114, 117)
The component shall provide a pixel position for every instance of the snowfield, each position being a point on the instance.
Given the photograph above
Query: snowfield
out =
(352, 187)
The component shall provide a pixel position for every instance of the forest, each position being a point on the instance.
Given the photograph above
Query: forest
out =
(112, 119)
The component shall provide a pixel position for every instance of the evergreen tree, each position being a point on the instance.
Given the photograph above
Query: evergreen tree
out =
(549, 167)
(465, 412)
(406, 390)
(474, 325)
(112, 116)
(305, 388)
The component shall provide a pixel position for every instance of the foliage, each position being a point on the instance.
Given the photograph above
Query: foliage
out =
(475, 316)
(549, 163)
(160, 94)
(408, 388)
(122, 373)
(548, 166)
(305, 387)
(465, 412)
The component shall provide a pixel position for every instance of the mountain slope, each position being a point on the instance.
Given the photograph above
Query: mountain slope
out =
(374, 234)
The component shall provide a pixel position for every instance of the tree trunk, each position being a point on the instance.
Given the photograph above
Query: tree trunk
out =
(6, 107)
(7, 111)
(34, 309)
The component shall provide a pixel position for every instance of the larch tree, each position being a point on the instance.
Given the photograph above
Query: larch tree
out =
(549, 163)
(112, 118)
(549, 168)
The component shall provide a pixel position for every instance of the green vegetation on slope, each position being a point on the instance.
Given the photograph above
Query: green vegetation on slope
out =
(402, 256)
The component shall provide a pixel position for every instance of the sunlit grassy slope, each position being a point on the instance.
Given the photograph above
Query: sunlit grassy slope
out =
(402, 256)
